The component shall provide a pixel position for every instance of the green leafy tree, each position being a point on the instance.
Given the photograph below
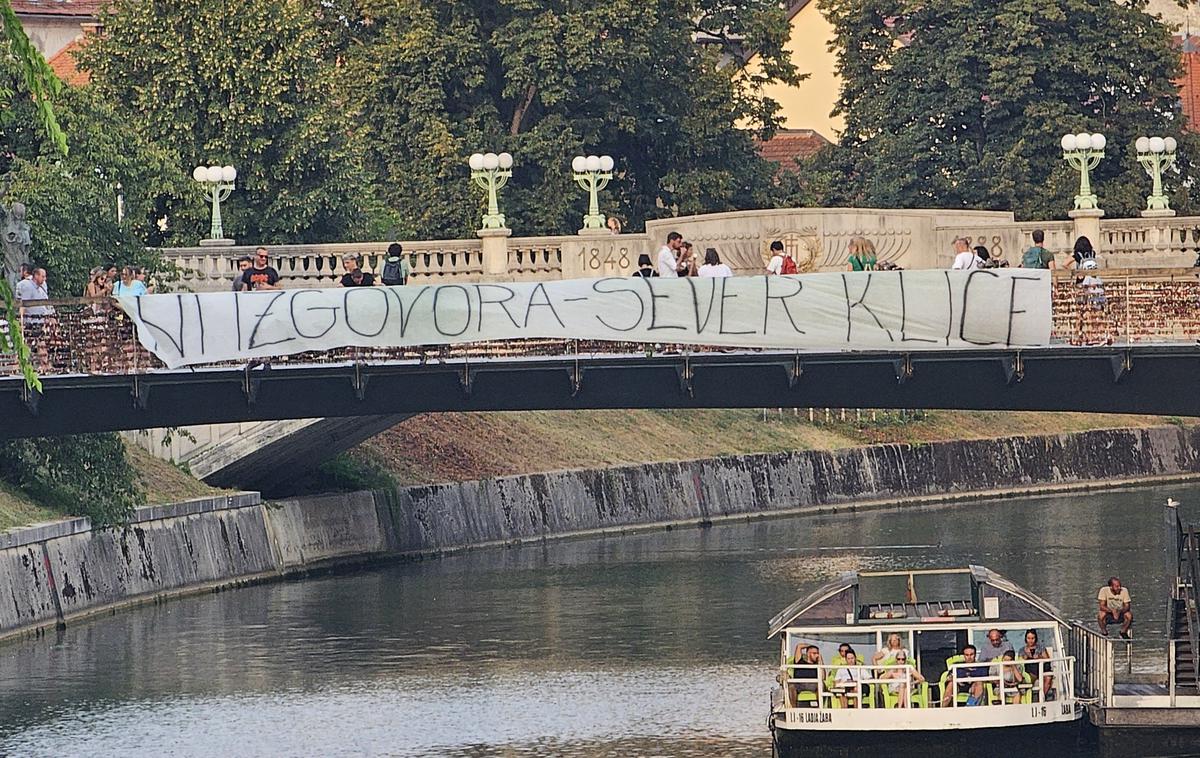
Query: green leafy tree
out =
(72, 201)
(250, 84)
(550, 79)
(86, 475)
(962, 103)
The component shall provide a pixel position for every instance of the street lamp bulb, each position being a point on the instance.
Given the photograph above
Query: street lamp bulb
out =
(476, 161)
(490, 161)
(1170, 144)
(606, 163)
(214, 174)
(200, 173)
(505, 160)
(1069, 143)
(1099, 141)
(593, 163)
(579, 164)
(228, 174)
(1083, 141)
(1157, 144)
(1142, 144)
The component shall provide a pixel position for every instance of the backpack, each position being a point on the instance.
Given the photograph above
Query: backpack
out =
(1033, 257)
(393, 271)
(788, 267)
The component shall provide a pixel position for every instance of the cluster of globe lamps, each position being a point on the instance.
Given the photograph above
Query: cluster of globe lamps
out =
(1084, 151)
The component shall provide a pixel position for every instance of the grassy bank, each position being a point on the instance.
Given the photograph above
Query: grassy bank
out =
(159, 480)
(463, 446)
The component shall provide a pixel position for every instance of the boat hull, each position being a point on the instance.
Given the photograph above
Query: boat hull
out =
(1051, 740)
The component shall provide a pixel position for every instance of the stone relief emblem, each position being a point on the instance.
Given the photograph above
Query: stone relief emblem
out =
(804, 244)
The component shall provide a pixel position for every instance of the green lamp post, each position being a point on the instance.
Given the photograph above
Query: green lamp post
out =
(491, 172)
(1156, 155)
(217, 182)
(1083, 152)
(592, 174)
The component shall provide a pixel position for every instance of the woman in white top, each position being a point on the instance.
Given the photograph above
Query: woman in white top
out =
(713, 268)
(847, 679)
(894, 646)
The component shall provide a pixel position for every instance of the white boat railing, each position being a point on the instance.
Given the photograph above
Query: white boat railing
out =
(1095, 674)
(1053, 674)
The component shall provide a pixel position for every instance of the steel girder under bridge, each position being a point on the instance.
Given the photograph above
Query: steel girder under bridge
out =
(1149, 379)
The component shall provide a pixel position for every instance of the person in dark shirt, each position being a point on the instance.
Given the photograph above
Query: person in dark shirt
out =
(355, 276)
(645, 267)
(260, 276)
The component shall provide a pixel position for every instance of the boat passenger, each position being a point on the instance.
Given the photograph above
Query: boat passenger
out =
(847, 680)
(973, 689)
(838, 660)
(887, 655)
(898, 676)
(1033, 651)
(994, 647)
(1014, 676)
(790, 671)
(811, 674)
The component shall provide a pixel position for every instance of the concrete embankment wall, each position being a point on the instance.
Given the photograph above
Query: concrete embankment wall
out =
(53, 573)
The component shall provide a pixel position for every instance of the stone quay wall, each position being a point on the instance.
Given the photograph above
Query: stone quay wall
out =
(55, 573)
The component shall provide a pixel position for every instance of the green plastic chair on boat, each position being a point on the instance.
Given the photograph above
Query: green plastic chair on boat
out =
(918, 699)
(944, 682)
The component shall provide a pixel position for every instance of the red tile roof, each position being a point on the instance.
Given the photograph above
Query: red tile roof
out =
(79, 8)
(1189, 89)
(788, 145)
(64, 67)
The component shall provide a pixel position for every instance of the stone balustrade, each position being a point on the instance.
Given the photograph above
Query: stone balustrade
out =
(818, 239)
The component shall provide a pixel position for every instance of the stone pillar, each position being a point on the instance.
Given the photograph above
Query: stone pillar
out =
(1087, 224)
(495, 253)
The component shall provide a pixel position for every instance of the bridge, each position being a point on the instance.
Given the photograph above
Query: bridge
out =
(1134, 351)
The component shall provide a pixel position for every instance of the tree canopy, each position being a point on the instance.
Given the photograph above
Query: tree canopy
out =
(249, 84)
(962, 103)
(550, 79)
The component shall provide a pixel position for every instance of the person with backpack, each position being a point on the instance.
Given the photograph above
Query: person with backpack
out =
(782, 263)
(1084, 255)
(1038, 256)
(396, 267)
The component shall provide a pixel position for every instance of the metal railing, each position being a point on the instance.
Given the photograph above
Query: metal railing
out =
(1094, 676)
(1186, 590)
(1053, 674)
(94, 336)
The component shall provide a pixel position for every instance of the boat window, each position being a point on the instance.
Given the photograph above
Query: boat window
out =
(901, 588)
(863, 644)
(934, 646)
(1015, 635)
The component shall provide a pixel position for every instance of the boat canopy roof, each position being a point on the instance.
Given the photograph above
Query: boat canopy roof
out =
(969, 594)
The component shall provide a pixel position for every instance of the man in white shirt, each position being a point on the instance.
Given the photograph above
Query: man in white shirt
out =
(965, 258)
(668, 264)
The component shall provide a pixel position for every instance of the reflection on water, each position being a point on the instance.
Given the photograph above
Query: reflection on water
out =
(640, 645)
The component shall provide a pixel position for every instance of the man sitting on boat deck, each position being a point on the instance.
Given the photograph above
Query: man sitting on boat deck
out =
(973, 690)
(994, 647)
(1115, 607)
(811, 673)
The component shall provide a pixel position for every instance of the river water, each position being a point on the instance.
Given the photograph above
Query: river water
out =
(647, 644)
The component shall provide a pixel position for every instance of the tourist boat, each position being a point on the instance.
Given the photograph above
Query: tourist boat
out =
(950, 700)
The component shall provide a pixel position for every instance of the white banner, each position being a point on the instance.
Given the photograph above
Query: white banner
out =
(896, 310)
